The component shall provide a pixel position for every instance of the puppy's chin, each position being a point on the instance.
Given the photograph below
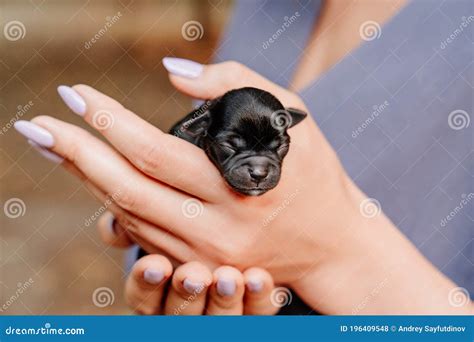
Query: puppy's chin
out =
(251, 192)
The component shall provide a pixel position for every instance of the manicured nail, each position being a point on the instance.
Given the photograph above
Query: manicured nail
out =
(255, 285)
(35, 133)
(153, 277)
(72, 99)
(226, 287)
(182, 67)
(193, 287)
(51, 156)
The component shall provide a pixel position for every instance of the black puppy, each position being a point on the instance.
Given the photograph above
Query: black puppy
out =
(244, 133)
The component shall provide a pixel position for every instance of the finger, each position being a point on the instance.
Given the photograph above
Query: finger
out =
(151, 238)
(213, 80)
(187, 294)
(227, 292)
(146, 283)
(161, 156)
(259, 286)
(113, 175)
(111, 232)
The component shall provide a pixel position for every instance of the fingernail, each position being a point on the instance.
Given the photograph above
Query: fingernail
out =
(226, 287)
(182, 67)
(72, 99)
(193, 287)
(153, 277)
(255, 285)
(51, 156)
(35, 133)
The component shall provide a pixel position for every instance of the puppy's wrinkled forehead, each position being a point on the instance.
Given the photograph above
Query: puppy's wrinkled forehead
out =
(248, 116)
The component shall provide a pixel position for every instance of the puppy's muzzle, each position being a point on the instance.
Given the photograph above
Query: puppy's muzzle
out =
(253, 175)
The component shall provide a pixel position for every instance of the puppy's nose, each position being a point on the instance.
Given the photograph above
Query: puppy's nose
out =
(258, 173)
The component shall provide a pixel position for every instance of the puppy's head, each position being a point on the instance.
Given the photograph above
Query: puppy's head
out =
(244, 133)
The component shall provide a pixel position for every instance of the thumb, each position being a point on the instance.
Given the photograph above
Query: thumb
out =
(213, 80)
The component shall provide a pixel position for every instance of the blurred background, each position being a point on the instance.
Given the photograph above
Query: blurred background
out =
(51, 260)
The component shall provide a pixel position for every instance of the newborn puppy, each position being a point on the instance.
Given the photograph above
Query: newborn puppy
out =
(244, 133)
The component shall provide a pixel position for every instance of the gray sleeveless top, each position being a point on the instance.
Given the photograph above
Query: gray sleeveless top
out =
(397, 110)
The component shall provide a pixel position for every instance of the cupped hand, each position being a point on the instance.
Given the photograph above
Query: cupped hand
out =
(152, 287)
(169, 197)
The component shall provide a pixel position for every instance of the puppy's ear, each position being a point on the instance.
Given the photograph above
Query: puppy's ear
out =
(199, 122)
(296, 116)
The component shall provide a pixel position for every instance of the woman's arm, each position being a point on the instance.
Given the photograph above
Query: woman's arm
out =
(375, 269)
(309, 232)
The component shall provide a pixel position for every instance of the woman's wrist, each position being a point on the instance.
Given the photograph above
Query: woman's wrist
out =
(371, 268)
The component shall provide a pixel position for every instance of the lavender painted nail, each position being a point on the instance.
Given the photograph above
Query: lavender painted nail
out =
(153, 277)
(226, 287)
(51, 156)
(193, 287)
(182, 67)
(34, 133)
(255, 285)
(72, 99)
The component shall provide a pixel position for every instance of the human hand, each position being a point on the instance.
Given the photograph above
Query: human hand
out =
(153, 287)
(310, 232)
